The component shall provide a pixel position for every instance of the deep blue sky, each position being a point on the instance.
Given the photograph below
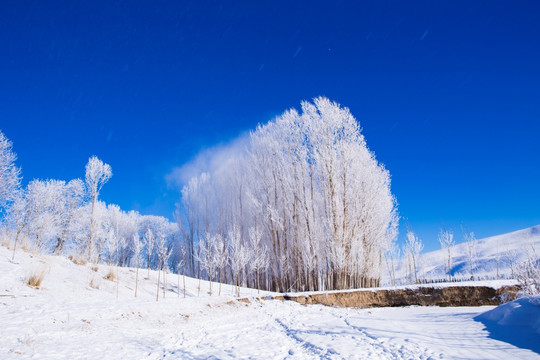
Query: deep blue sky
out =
(448, 93)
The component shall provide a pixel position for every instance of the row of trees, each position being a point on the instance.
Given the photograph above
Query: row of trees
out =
(304, 206)
(409, 261)
(413, 247)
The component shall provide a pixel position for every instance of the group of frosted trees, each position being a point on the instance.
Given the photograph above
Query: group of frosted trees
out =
(305, 206)
(410, 257)
(59, 217)
(461, 262)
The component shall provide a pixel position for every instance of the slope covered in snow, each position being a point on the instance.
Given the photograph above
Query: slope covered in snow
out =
(504, 252)
(77, 313)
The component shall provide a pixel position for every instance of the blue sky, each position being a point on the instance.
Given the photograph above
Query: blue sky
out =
(447, 93)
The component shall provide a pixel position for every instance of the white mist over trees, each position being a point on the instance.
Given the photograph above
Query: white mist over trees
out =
(309, 191)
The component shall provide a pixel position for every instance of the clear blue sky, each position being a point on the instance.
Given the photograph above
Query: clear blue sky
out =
(448, 93)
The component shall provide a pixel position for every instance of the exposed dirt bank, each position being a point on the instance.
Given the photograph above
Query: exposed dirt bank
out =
(422, 296)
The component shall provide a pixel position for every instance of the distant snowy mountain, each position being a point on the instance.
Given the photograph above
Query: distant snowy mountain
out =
(504, 251)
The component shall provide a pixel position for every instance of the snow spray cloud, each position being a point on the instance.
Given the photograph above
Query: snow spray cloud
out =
(209, 160)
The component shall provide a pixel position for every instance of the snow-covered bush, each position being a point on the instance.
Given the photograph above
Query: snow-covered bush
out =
(528, 276)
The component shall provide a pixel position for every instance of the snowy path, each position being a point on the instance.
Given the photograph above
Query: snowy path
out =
(276, 330)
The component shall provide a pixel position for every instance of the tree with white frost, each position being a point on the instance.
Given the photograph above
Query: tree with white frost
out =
(472, 251)
(181, 265)
(220, 257)
(97, 174)
(149, 239)
(136, 258)
(205, 257)
(164, 253)
(18, 218)
(239, 256)
(413, 248)
(259, 261)
(45, 204)
(391, 256)
(73, 193)
(528, 271)
(446, 239)
(10, 175)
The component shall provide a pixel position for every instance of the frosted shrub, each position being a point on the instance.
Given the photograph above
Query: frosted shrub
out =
(528, 276)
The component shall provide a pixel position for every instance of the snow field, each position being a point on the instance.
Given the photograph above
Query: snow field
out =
(67, 318)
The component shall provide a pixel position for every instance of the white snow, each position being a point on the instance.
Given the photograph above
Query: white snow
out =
(517, 321)
(67, 318)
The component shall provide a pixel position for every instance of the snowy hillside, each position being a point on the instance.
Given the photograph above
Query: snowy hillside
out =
(78, 313)
(506, 251)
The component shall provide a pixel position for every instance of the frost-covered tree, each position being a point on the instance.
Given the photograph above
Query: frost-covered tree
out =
(136, 258)
(239, 256)
(446, 239)
(528, 271)
(206, 258)
(97, 174)
(10, 174)
(18, 218)
(72, 198)
(413, 248)
(472, 251)
(164, 253)
(392, 256)
(46, 205)
(220, 257)
(259, 261)
(149, 239)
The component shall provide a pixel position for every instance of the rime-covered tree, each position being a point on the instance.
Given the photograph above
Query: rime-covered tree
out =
(149, 240)
(413, 248)
(392, 256)
(446, 239)
(45, 204)
(472, 251)
(239, 256)
(10, 174)
(136, 258)
(97, 174)
(259, 261)
(73, 196)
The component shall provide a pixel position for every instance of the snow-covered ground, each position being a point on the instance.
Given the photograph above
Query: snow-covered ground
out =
(506, 250)
(69, 318)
